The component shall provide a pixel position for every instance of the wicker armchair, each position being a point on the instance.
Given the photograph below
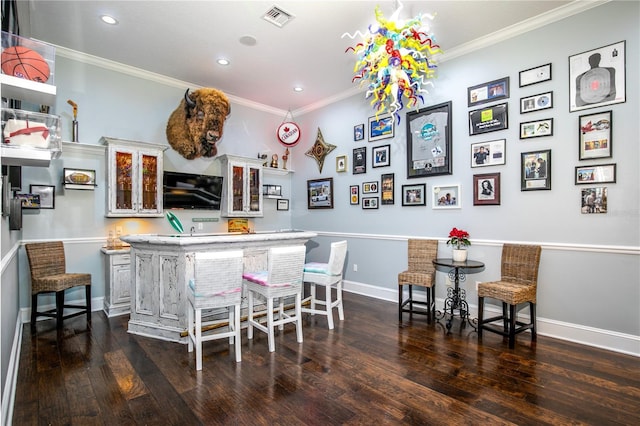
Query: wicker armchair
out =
(518, 284)
(283, 278)
(217, 283)
(49, 275)
(420, 272)
(328, 275)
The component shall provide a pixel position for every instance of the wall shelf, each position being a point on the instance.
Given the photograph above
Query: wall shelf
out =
(27, 90)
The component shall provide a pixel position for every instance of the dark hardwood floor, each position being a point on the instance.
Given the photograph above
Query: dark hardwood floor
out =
(369, 370)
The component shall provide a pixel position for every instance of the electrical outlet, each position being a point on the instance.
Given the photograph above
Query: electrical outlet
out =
(199, 226)
(355, 267)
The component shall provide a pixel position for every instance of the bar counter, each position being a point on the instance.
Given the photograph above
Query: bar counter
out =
(162, 265)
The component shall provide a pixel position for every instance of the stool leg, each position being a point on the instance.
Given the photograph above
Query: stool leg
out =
(339, 299)
(400, 302)
(532, 309)
(236, 328)
(505, 317)
(299, 317)
(34, 311)
(270, 332)
(250, 317)
(59, 308)
(410, 300)
(198, 332)
(512, 326)
(312, 289)
(428, 305)
(87, 290)
(328, 307)
(480, 316)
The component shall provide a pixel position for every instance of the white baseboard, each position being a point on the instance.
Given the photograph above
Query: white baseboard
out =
(589, 336)
(9, 395)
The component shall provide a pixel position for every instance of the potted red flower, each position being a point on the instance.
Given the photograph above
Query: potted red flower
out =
(459, 239)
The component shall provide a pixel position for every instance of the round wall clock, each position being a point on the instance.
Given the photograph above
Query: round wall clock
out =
(288, 133)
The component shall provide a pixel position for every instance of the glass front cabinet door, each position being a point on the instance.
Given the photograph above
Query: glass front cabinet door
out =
(242, 194)
(134, 178)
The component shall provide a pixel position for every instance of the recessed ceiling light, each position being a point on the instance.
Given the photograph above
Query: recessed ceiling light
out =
(223, 61)
(298, 89)
(109, 20)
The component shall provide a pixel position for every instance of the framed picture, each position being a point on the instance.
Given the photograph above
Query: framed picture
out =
(341, 163)
(593, 200)
(429, 142)
(489, 119)
(381, 156)
(594, 131)
(535, 75)
(29, 201)
(283, 204)
(47, 195)
(387, 182)
(535, 170)
(597, 77)
(414, 195)
(445, 197)
(601, 173)
(370, 187)
(488, 92)
(358, 132)
(536, 102)
(380, 127)
(369, 202)
(486, 189)
(354, 194)
(490, 153)
(320, 193)
(359, 160)
(79, 178)
(272, 190)
(536, 129)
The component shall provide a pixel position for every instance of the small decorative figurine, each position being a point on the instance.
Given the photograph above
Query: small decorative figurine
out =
(285, 157)
(274, 161)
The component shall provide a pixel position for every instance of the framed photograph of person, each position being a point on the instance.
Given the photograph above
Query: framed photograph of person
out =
(414, 195)
(359, 160)
(354, 195)
(387, 182)
(535, 173)
(380, 127)
(370, 187)
(489, 119)
(446, 197)
(594, 132)
(486, 189)
(535, 75)
(536, 102)
(47, 195)
(320, 193)
(601, 173)
(341, 163)
(429, 143)
(370, 203)
(488, 92)
(536, 129)
(381, 156)
(358, 132)
(597, 77)
(593, 200)
(490, 153)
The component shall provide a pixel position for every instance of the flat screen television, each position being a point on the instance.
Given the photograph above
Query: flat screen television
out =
(191, 191)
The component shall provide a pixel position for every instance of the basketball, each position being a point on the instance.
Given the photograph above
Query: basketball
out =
(21, 62)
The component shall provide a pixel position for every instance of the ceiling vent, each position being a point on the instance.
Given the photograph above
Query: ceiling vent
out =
(277, 16)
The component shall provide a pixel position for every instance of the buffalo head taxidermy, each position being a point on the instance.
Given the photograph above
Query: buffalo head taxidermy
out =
(196, 125)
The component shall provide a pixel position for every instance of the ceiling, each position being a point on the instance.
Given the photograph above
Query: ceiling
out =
(183, 39)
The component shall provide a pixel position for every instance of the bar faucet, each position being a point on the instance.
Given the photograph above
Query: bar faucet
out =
(193, 229)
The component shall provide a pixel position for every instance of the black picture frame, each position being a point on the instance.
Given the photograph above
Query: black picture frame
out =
(535, 170)
(609, 61)
(370, 187)
(536, 128)
(47, 195)
(381, 127)
(595, 132)
(282, 204)
(381, 156)
(414, 195)
(489, 119)
(387, 188)
(370, 203)
(488, 92)
(486, 189)
(320, 193)
(597, 173)
(354, 195)
(594, 200)
(535, 75)
(358, 132)
(536, 102)
(359, 160)
(429, 141)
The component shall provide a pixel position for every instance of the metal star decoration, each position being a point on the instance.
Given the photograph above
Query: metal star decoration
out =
(319, 150)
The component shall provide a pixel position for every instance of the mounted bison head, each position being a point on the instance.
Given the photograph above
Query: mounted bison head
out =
(196, 125)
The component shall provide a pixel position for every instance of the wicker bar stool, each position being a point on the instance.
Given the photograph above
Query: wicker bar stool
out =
(422, 273)
(48, 275)
(518, 284)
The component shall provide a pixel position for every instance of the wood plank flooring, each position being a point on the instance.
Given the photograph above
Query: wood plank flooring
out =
(368, 370)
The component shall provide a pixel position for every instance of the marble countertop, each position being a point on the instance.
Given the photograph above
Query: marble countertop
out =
(204, 238)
